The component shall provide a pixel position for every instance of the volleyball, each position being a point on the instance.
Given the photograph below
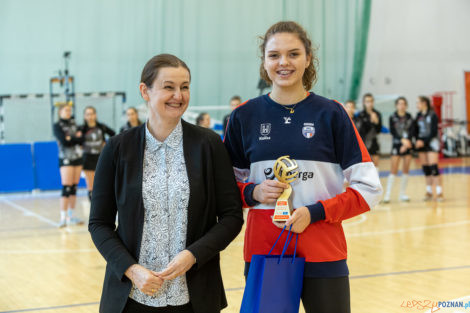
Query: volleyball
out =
(285, 169)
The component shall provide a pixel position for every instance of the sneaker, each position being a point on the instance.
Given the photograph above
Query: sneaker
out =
(75, 221)
(440, 197)
(62, 224)
(404, 198)
(427, 196)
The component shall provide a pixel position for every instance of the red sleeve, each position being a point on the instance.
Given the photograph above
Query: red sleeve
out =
(242, 187)
(345, 205)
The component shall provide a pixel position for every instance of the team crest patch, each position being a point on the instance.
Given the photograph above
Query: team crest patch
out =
(265, 129)
(308, 130)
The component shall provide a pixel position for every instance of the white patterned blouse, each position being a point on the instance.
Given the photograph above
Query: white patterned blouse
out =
(165, 193)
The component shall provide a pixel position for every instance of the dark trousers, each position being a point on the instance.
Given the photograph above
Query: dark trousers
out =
(136, 307)
(326, 295)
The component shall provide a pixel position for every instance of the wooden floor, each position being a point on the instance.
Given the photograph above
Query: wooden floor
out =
(399, 254)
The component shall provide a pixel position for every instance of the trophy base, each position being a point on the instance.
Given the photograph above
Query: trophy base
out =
(282, 211)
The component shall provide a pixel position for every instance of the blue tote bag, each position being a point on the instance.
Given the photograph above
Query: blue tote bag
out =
(274, 283)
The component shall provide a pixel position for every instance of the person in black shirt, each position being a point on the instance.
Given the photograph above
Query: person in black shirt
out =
(94, 140)
(401, 127)
(428, 146)
(69, 139)
(369, 124)
(234, 102)
(132, 119)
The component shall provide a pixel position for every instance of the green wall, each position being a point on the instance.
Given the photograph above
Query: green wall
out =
(110, 42)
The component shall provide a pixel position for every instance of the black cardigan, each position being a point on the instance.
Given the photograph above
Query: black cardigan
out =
(214, 214)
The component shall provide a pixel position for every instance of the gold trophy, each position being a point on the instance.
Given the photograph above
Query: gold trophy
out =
(284, 170)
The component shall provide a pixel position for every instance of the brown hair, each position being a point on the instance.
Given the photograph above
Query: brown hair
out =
(236, 97)
(401, 98)
(366, 95)
(89, 107)
(310, 74)
(150, 71)
(133, 109)
(200, 117)
(427, 101)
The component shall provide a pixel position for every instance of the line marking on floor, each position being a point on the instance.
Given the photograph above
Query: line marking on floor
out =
(362, 219)
(450, 268)
(410, 229)
(242, 288)
(392, 274)
(27, 212)
(51, 251)
(52, 307)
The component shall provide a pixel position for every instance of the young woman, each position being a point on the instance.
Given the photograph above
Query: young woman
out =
(320, 136)
(178, 205)
(132, 119)
(69, 139)
(94, 135)
(427, 145)
(401, 127)
(369, 124)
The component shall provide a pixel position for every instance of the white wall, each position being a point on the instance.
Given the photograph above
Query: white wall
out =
(421, 47)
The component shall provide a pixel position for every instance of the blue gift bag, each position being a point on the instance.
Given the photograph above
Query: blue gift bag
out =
(274, 283)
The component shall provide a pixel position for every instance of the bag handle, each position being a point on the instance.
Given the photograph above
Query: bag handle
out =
(278, 237)
(286, 244)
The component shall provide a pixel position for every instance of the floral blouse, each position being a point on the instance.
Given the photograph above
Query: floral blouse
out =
(165, 192)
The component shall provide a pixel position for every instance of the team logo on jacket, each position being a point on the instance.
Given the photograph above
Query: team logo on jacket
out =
(269, 174)
(287, 120)
(265, 130)
(308, 130)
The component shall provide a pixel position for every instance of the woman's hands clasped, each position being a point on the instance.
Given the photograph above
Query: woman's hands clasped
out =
(180, 264)
(150, 282)
(269, 191)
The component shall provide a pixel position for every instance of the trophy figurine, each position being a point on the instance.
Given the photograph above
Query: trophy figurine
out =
(284, 170)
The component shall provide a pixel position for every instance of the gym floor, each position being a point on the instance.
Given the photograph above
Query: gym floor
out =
(403, 257)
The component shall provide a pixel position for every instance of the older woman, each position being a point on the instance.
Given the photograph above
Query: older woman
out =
(173, 186)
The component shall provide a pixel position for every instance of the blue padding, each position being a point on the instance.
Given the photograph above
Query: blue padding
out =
(218, 126)
(16, 168)
(46, 158)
